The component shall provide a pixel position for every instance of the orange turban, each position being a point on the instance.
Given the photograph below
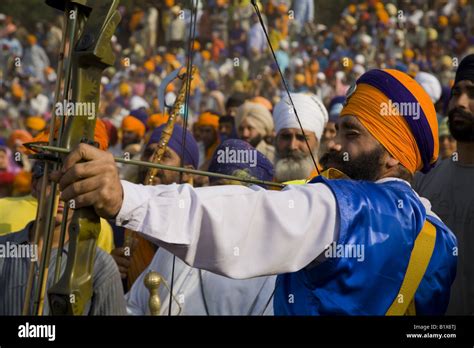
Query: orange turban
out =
(36, 123)
(31, 39)
(100, 135)
(19, 136)
(264, 102)
(209, 119)
(397, 111)
(157, 120)
(22, 183)
(17, 91)
(125, 89)
(133, 124)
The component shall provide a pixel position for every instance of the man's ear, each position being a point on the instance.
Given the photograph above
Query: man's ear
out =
(391, 162)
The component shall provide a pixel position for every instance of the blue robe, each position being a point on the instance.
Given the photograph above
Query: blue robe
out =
(384, 219)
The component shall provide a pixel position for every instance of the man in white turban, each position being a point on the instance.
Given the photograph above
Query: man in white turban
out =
(430, 84)
(293, 157)
(254, 125)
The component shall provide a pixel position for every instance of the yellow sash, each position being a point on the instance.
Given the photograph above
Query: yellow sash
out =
(404, 303)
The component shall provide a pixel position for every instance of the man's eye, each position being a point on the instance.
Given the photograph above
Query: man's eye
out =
(301, 137)
(286, 136)
(352, 135)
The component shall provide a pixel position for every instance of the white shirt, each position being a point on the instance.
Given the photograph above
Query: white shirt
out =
(236, 231)
(198, 292)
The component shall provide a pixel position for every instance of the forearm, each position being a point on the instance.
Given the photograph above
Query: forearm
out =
(236, 231)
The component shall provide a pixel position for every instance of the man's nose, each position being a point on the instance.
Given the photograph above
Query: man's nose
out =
(462, 101)
(333, 145)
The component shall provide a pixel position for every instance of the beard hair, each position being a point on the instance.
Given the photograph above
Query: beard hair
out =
(463, 132)
(293, 166)
(366, 166)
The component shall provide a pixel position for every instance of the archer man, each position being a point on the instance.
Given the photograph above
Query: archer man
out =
(410, 256)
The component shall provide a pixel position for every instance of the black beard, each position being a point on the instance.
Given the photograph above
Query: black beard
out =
(365, 167)
(463, 132)
(255, 141)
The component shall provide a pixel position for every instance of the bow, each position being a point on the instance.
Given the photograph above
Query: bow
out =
(89, 27)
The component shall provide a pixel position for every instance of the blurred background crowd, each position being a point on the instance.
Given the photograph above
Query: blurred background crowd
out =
(236, 70)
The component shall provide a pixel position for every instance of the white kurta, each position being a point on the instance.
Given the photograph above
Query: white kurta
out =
(236, 231)
(199, 292)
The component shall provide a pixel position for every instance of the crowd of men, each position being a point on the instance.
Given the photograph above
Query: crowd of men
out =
(238, 104)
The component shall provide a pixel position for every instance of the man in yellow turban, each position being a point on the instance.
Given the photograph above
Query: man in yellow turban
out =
(35, 125)
(365, 245)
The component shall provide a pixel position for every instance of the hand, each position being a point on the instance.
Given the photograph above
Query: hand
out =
(123, 262)
(90, 177)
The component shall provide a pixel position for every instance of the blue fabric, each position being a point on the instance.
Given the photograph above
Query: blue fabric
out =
(190, 155)
(385, 218)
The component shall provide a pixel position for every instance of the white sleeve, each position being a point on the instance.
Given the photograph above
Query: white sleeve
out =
(236, 231)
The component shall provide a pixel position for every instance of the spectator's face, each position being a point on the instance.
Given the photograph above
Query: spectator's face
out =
(293, 157)
(226, 128)
(249, 133)
(129, 138)
(329, 132)
(291, 142)
(3, 160)
(208, 135)
(447, 146)
(162, 177)
(461, 111)
(37, 179)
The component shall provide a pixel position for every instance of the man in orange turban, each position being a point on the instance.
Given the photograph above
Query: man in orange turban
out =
(133, 131)
(35, 125)
(208, 129)
(365, 245)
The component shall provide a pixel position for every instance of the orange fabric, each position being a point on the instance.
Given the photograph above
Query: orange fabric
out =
(19, 136)
(36, 123)
(393, 131)
(157, 120)
(31, 39)
(133, 124)
(22, 183)
(100, 135)
(17, 90)
(209, 119)
(264, 102)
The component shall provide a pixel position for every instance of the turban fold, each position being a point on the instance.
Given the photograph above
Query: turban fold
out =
(157, 120)
(191, 149)
(396, 110)
(208, 119)
(36, 123)
(311, 112)
(257, 115)
(261, 168)
(133, 124)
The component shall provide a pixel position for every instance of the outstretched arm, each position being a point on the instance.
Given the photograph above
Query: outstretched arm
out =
(235, 231)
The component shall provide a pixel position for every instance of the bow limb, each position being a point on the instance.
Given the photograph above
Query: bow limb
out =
(91, 55)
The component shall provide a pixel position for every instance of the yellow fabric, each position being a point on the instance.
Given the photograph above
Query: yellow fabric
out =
(17, 212)
(36, 123)
(208, 119)
(392, 131)
(419, 260)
